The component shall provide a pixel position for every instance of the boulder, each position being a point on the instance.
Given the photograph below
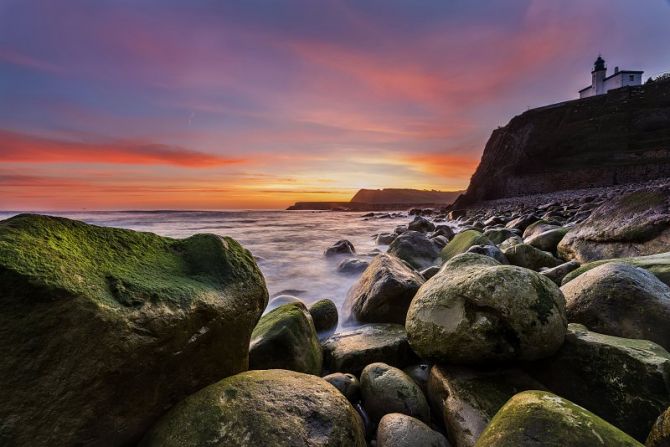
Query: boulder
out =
(347, 384)
(462, 242)
(547, 240)
(660, 432)
(383, 292)
(556, 274)
(286, 338)
(324, 315)
(530, 257)
(497, 235)
(341, 247)
(261, 408)
(622, 300)
(522, 222)
(510, 242)
(280, 300)
(416, 249)
(658, 265)
(540, 418)
(635, 224)
(466, 399)
(443, 230)
(102, 329)
(352, 266)
(385, 238)
(352, 350)
(624, 381)
(430, 271)
(421, 224)
(385, 389)
(478, 311)
(400, 430)
(419, 374)
(538, 227)
(489, 250)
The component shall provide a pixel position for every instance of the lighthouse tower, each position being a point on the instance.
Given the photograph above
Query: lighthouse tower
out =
(598, 76)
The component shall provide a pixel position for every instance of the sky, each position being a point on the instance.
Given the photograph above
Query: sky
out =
(165, 104)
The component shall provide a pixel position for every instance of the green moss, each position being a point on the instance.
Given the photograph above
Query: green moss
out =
(62, 258)
(658, 264)
(545, 304)
(538, 418)
(462, 241)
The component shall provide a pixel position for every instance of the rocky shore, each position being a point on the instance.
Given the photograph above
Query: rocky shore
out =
(534, 321)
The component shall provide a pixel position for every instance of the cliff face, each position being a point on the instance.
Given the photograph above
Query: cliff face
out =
(621, 137)
(409, 196)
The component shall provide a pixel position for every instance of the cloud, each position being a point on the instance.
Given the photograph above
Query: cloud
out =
(19, 147)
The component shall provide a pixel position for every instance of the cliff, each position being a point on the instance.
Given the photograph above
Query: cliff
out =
(409, 196)
(618, 138)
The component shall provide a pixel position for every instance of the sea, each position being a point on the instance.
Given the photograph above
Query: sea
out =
(288, 245)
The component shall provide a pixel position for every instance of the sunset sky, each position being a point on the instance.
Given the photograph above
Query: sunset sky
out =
(137, 104)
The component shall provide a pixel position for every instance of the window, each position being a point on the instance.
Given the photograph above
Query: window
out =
(631, 77)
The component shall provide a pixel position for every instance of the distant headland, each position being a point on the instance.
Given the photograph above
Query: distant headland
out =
(385, 199)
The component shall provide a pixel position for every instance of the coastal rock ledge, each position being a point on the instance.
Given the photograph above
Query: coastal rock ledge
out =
(102, 330)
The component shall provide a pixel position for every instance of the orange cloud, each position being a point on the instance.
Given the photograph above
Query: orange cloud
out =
(18, 147)
(445, 165)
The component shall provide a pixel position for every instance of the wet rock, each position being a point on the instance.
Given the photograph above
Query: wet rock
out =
(385, 238)
(416, 249)
(660, 432)
(383, 292)
(421, 225)
(462, 242)
(547, 240)
(324, 315)
(498, 235)
(522, 222)
(478, 311)
(347, 384)
(443, 230)
(658, 265)
(92, 318)
(285, 338)
(530, 257)
(538, 227)
(556, 274)
(539, 418)
(489, 250)
(341, 247)
(439, 241)
(622, 300)
(632, 225)
(350, 351)
(510, 242)
(352, 266)
(420, 374)
(385, 389)
(430, 272)
(624, 381)
(261, 408)
(466, 399)
(400, 430)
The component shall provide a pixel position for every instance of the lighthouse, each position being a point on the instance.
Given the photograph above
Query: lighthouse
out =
(601, 83)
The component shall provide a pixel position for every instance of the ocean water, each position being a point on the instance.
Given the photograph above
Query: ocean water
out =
(288, 245)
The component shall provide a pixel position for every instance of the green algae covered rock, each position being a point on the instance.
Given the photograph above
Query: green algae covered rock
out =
(624, 381)
(385, 389)
(658, 265)
(324, 315)
(102, 329)
(261, 408)
(476, 311)
(539, 418)
(635, 224)
(466, 399)
(462, 242)
(285, 338)
(400, 430)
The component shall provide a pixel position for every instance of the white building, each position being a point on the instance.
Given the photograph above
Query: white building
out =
(601, 83)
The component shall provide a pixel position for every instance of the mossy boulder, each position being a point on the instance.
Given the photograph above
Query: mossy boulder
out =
(510, 242)
(347, 384)
(624, 381)
(658, 264)
(466, 399)
(350, 351)
(324, 315)
(635, 224)
(261, 408)
(386, 389)
(400, 430)
(497, 235)
(547, 240)
(285, 338)
(383, 292)
(416, 249)
(622, 300)
(102, 329)
(462, 242)
(476, 311)
(529, 257)
(540, 418)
